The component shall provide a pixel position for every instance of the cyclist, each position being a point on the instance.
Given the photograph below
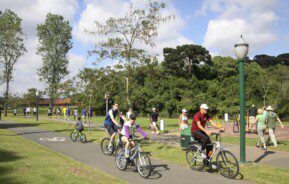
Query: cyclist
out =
(200, 133)
(111, 125)
(78, 125)
(127, 132)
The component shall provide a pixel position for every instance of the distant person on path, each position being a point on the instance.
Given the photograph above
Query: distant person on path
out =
(83, 112)
(15, 112)
(183, 120)
(64, 112)
(28, 110)
(49, 113)
(90, 113)
(153, 121)
(252, 118)
(129, 112)
(75, 114)
(24, 111)
(34, 111)
(79, 125)
(260, 120)
(68, 114)
(271, 121)
(58, 112)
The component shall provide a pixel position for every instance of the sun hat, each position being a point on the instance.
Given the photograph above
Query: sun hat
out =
(184, 110)
(269, 108)
(204, 106)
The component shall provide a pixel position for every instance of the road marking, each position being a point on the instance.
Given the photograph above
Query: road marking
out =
(54, 139)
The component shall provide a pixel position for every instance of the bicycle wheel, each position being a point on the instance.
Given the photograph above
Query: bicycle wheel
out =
(194, 158)
(227, 164)
(143, 164)
(104, 146)
(73, 136)
(120, 160)
(82, 138)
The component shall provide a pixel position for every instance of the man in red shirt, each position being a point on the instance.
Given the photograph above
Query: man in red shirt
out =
(198, 128)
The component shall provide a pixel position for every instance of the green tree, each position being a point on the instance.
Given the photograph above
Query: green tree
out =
(30, 96)
(137, 26)
(11, 48)
(55, 41)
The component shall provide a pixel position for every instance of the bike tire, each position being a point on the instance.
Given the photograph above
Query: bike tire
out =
(225, 157)
(120, 160)
(143, 162)
(82, 138)
(73, 136)
(104, 146)
(194, 157)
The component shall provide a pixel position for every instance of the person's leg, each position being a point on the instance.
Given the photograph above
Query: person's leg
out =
(200, 138)
(207, 141)
(260, 131)
(155, 127)
(272, 136)
(126, 141)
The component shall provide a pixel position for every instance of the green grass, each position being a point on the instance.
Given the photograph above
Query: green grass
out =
(23, 161)
(254, 172)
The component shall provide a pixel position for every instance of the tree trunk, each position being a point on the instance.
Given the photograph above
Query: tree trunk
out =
(6, 97)
(127, 92)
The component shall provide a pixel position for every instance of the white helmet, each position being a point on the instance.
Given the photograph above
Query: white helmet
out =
(184, 110)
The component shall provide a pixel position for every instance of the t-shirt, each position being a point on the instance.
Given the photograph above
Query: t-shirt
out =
(83, 112)
(78, 125)
(127, 129)
(261, 119)
(252, 111)
(108, 120)
(155, 117)
(203, 118)
(271, 119)
(75, 112)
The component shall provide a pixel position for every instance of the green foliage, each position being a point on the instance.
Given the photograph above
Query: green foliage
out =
(55, 41)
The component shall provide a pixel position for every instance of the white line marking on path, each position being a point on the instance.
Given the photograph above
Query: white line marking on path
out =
(54, 139)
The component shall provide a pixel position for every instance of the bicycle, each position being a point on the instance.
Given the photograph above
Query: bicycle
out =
(227, 163)
(104, 146)
(141, 160)
(78, 135)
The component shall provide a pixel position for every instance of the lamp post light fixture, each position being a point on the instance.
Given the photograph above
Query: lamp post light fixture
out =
(37, 104)
(106, 96)
(241, 51)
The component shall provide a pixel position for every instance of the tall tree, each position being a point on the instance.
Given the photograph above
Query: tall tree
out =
(139, 25)
(11, 47)
(54, 43)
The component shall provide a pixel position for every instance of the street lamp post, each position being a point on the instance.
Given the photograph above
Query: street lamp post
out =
(106, 96)
(241, 51)
(37, 102)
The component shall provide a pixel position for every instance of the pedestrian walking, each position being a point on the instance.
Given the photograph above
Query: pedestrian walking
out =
(252, 118)
(15, 112)
(271, 120)
(260, 121)
(129, 112)
(75, 114)
(153, 121)
(83, 113)
(183, 120)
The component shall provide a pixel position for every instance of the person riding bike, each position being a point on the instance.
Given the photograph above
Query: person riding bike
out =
(78, 125)
(200, 133)
(127, 132)
(111, 125)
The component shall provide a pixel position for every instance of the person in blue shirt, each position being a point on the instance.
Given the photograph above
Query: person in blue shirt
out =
(83, 112)
(111, 124)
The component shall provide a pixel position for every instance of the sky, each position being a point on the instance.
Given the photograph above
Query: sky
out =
(214, 24)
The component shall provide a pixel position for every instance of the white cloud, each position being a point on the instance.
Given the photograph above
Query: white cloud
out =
(169, 34)
(255, 19)
(33, 12)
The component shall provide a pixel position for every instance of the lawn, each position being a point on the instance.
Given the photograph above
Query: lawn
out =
(254, 172)
(23, 161)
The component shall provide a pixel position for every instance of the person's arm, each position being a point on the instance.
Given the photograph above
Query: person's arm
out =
(202, 128)
(256, 120)
(280, 122)
(139, 129)
(180, 121)
(126, 130)
(123, 117)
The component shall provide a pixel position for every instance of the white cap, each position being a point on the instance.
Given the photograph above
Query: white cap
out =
(184, 110)
(154, 108)
(204, 106)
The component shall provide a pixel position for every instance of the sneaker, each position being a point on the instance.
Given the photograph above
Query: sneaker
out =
(206, 162)
(204, 156)
(213, 166)
(264, 148)
(158, 133)
(257, 145)
(126, 154)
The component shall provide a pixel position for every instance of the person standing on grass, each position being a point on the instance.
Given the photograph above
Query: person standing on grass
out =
(34, 111)
(75, 114)
(83, 112)
(0, 114)
(271, 121)
(260, 120)
(49, 113)
(68, 114)
(24, 111)
(183, 120)
(252, 118)
(15, 112)
(153, 121)
(129, 112)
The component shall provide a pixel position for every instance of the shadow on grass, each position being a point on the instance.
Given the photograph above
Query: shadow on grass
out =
(17, 125)
(266, 153)
(7, 156)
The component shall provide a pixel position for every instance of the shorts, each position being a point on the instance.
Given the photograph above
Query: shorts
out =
(184, 126)
(80, 129)
(154, 123)
(111, 129)
(120, 136)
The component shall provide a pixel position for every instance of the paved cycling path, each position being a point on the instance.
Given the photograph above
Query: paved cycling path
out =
(91, 155)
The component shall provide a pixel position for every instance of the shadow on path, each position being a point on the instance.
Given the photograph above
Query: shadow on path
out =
(266, 153)
(157, 169)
